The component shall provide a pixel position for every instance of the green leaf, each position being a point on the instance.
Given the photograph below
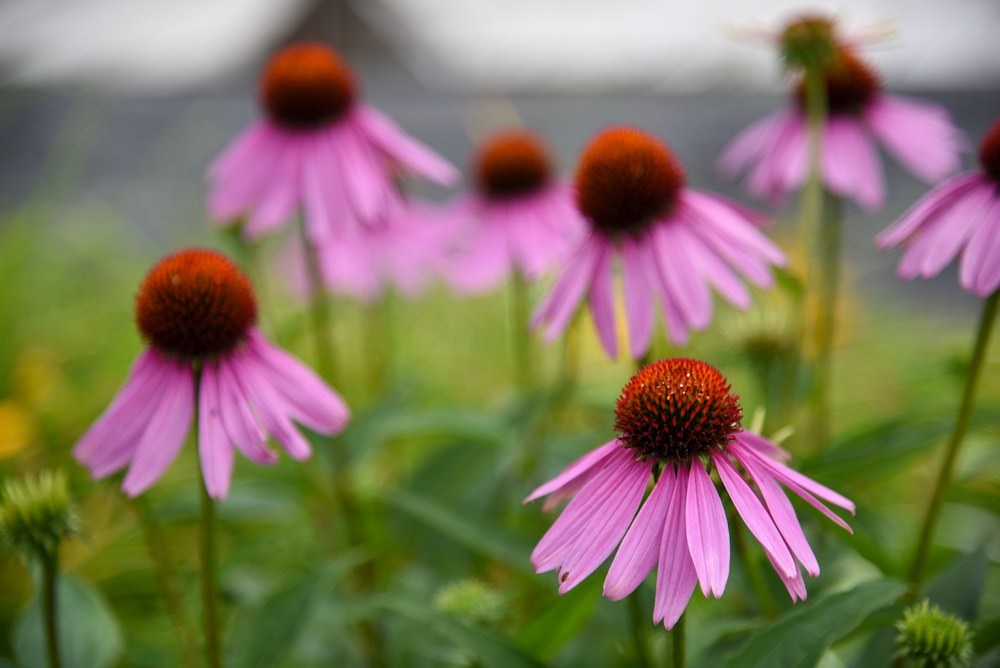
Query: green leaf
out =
(476, 537)
(492, 650)
(546, 633)
(800, 639)
(273, 626)
(89, 636)
(959, 587)
(987, 636)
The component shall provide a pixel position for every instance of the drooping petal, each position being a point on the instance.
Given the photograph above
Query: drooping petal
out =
(707, 531)
(581, 468)
(754, 514)
(409, 153)
(751, 144)
(269, 405)
(929, 207)
(239, 420)
(982, 254)
(215, 449)
(676, 576)
(640, 309)
(691, 294)
(282, 195)
(938, 244)
(164, 434)
(920, 135)
(312, 402)
(640, 549)
(562, 302)
(850, 163)
(602, 302)
(110, 442)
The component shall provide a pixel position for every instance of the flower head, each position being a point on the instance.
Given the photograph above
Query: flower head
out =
(959, 218)
(319, 149)
(675, 244)
(860, 115)
(519, 218)
(36, 514)
(197, 311)
(677, 419)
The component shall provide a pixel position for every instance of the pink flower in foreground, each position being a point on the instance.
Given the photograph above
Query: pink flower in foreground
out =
(519, 219)
(674, 244)
(197, 312)
(677, 420)
(318, 148)
(961, 217)
(774, 149)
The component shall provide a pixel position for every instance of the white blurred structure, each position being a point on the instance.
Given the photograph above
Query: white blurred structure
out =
(664, 45)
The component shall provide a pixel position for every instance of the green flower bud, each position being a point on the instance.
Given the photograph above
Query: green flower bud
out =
(808, 42)
(473, 600)
(931, 638)
(36, 514)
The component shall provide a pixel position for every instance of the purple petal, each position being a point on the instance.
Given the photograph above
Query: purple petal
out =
(602, 302)
(920, 135)
(639, 306)
(581, 468)
(239, 420)
(411, 154)
(110, 442)
(783, 166)
(850, 163)
(724, 222)
(707, 531)
(928, 208)
(564, 299)
(690, 293)
(214, 446)
(754, 514)
(164, 434)
(982, 254)
(937, 244)
(269, 406)
(640, 549)
(312, 402)
(676, 576)
(751, 144)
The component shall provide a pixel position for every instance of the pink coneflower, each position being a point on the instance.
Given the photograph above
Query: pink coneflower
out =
(959, 217)
(403, 252)
(197, 312)
(774, 149)
(677, 419)
(318, 148)
(520, 217)
(674, 243)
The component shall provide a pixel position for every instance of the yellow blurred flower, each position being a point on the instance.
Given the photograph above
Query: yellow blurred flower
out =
(17, 429)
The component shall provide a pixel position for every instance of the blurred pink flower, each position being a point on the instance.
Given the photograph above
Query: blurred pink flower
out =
(196, 310)
(674, 243)
(518, 219)
(404, 255)
(960, 217)
(774, 149)
(319, 149)
(676, 417)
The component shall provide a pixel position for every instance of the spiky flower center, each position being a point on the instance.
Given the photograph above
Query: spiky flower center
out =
(851, 84)
(676, 409)
(195, 304)
(512, 164)
(809, 41)
(989, 153)
(306, 85)
(625, 180)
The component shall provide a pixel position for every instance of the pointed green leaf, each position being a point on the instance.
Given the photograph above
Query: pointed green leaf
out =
(800, 639)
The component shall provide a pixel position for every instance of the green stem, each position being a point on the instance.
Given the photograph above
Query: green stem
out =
(954, 442)
(570, 373)
(678, 644)
(828, 279)
(638, 631)
(50, 570)
(207, 554)
(166, 577)
(519, 330)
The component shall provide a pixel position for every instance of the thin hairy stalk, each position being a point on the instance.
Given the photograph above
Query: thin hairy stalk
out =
(50, 603)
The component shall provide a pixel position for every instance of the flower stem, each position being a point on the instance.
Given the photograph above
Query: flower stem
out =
(50, 570)
(520, 341)
(954, 442)
(638, 631)
(319, 308)
(209, 612)
(678, 644)
(166, 577)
